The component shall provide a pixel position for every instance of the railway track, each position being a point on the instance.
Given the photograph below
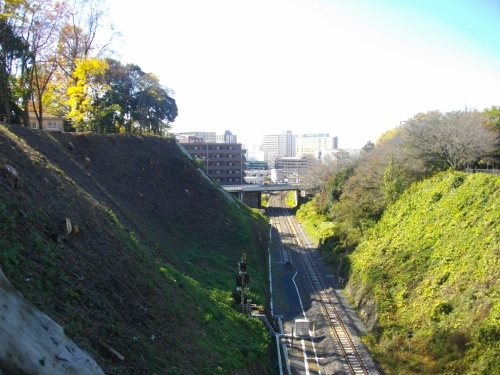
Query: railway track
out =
(344, 343)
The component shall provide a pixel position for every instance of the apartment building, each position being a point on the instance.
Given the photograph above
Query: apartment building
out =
(223, 162)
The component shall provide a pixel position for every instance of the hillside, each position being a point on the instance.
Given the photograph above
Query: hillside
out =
(150, 270)
(432, 267)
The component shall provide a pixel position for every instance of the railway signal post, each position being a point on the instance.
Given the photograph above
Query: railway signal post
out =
(242, 281)
(409, 336)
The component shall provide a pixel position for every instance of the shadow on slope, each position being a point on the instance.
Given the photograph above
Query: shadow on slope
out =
(150, 271)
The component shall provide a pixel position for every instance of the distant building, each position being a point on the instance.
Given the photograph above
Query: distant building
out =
(208, 137)
(49, 122)
(254, 164)
(223, 162)
(227, 137)
(189, 139)
(255, 152)
(310, 144)
(277, 175)
(294, 168)
(278, 145)
(329, 154)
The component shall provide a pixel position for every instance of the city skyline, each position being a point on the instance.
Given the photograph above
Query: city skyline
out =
(355, 68)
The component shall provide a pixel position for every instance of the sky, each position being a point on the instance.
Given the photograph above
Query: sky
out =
(351, 68)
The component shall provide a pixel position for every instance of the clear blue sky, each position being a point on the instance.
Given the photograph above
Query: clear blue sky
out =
(352, 68)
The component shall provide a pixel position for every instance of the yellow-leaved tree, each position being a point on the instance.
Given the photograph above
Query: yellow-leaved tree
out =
(85, 96)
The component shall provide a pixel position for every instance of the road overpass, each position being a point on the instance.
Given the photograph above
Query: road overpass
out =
(251, 194)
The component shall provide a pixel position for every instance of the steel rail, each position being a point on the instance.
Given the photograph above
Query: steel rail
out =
(345, 345)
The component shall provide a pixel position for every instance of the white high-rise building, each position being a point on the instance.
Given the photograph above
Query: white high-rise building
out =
(277, 145)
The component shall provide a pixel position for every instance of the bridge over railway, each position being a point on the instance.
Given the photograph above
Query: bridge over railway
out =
(251, 194)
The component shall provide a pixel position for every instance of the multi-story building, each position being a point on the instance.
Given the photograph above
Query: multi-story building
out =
(255, 152)
(294, 168)
(189, 139)
(227, 137)
(310, 144)
(208, 137)
(278, 145)
(223, 162)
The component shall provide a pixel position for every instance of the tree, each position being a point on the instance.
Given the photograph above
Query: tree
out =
(153, 108)
(86, 95)
(142, 103)
(14, 52)
(359, 198)
(493, 115)
(368, 146)
(335, 186)
(41, 24)
(78, 40)
(78, 37)
(120, 93)
(318, 176)
(451, 140)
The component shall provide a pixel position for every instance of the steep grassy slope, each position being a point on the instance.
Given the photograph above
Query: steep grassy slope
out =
(151, 270)
(432, 266)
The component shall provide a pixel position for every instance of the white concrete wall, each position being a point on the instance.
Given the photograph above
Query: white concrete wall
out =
(32, 343)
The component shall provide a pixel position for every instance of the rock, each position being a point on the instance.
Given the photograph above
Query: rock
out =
(10, 173)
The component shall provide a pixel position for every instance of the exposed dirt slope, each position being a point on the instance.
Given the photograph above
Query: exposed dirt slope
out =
(139, 205)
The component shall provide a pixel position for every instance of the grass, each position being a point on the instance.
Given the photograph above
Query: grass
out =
(139, 267)
(431, 264)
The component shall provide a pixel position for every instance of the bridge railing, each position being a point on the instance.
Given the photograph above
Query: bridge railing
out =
(263, 187)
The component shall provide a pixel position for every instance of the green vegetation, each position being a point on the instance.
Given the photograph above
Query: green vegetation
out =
(417, 242)
(152, 269)
(290, 200)
(326, 234)
(89, 92)
(264, 200)
(430, 266)
(442, 279)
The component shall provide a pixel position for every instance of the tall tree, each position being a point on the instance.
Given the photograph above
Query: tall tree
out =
(41, 24)
(37, 23)
(448, 140)
(78, 37)
(319, 174)
(144, 104)
(14, 52)
(85, 35)
(86, 95)
(154, 109)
